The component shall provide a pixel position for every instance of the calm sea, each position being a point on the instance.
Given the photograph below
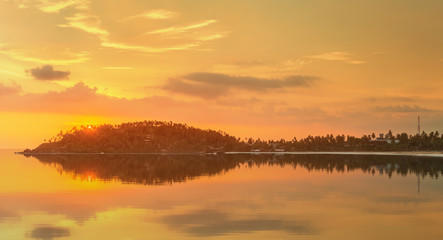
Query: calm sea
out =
(220, 197)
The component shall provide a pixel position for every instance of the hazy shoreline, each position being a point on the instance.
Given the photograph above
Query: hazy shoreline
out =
(418, 154)
(400, 153)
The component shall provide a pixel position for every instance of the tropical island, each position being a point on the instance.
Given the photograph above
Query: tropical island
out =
(169, 137)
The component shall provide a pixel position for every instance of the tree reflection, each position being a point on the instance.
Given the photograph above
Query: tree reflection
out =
(167, 169)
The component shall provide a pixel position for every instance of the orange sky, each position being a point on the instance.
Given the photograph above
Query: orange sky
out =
(269, 69)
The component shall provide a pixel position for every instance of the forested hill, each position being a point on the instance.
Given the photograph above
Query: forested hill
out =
(169, 137)
(138, 137)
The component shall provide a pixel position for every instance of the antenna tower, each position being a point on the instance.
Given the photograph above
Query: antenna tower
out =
(418, 126)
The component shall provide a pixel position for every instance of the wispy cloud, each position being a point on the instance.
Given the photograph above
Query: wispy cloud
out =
(86, 22)
(83, 19)
(155, 14)
(72, 100)
(337, 56)
(80, 20)
(147, 49)
(55, 7)
(262, 67)
(402, 109)
(391, 99)
(211, 37)
(66, 57)
(11, 73)
(81, 57)
(214, 85)
(52, 6)
(176, 30)
(11, 88)
(91, 24)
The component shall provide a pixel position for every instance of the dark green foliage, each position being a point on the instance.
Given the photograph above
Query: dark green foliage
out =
(139, 137)
(157, 137)
(399, 142)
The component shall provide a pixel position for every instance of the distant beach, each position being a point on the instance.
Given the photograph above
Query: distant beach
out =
(408, 153)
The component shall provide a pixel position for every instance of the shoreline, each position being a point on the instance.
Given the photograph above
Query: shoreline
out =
(399, 153)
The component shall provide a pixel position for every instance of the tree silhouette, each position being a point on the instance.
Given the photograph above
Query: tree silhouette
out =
(169, 137)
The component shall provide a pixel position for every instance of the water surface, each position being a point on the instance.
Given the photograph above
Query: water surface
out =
(220, 197)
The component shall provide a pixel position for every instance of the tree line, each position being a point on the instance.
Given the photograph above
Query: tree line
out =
(168, 137)
(370, 142)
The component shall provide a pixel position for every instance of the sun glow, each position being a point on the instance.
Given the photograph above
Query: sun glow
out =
(89, 177)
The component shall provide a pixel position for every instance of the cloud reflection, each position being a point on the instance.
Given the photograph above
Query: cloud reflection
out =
(210, 222)
(49, 232)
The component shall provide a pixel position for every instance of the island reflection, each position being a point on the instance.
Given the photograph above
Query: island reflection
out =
(168, 169)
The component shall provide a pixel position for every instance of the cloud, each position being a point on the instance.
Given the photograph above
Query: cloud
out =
(86, 22)
(249, 63)
(337, 56)
(91, 24)
(190, 32)
(81, 57)
(7, 89)
(48, 73)
(82, 99)
(64, 56)
(78, 93)
(79, 99)
(263, 68)
(239, 115)
(175, 30)
(206, 91)
(238, 102)
(146, 49)
(211, 37)
(8, 215)
(12, 73)
(156, 14)
(391, 98)
(402, 109)
(48, 232)
(209, 222)
(55, 7)
(214, 85)
(52, 6)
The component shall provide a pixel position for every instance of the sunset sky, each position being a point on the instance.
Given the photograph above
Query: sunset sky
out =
(252, 68)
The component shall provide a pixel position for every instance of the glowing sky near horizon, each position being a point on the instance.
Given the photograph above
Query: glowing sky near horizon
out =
(253, 68)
